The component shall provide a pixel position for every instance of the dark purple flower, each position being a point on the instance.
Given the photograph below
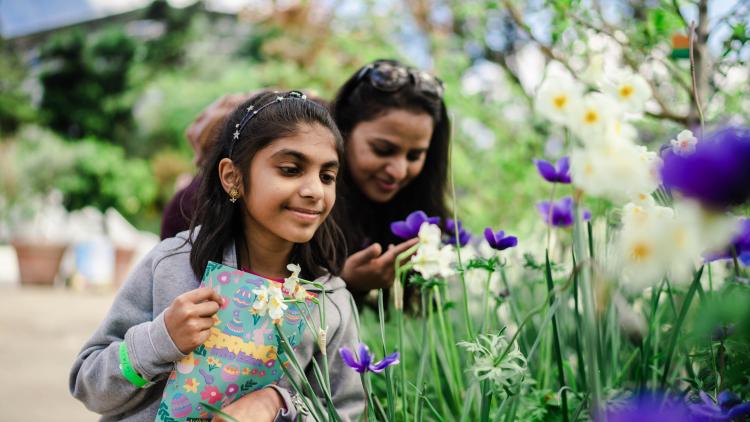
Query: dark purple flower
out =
(498, 240)
(740, 244)
(560, 213)
(649, 408)
(728, 408)
(559, 173)
(717, 173)
(450, 229)
(364, 363)
(409, 228)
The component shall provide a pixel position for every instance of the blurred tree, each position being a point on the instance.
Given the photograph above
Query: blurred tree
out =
(168, 49)
(85, 81)
(15, 104)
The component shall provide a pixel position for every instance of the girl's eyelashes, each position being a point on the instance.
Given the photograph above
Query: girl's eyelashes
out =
(289, 170)
(327, 177)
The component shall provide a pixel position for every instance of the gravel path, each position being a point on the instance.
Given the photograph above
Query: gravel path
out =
(42, 330)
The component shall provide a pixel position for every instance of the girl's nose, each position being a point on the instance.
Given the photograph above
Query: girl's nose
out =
(312, 188)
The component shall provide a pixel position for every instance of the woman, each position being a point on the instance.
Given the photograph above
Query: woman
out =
(396, 135)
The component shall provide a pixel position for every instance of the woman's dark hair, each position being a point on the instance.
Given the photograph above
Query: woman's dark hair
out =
(220, 220)
(363, 220)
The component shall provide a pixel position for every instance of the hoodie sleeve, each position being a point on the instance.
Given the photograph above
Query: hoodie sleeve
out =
(346, 386)
(96, 378)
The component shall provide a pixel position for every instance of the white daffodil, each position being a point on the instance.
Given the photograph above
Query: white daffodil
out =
(292, 284)
(276, 305)
(432, 261)
(685, 143)
(429, 235)
(592, 120)
(295, 269)
(557, 97)
(260, 306)
(617, 170)
(658, 241)
(630, 91)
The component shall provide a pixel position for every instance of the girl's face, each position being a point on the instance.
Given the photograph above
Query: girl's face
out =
(388, 152)
(292, 185)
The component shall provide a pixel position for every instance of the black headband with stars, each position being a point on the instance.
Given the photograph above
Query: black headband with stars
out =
(251, 112)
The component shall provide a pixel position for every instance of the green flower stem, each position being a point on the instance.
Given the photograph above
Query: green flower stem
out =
(486, 393)
(486, 311)
(556, 339)
(399, 317)
(514, 309)
(422, 357)
(388, 377)
(315, 408)
(678, 325)
(449, 344)
(589, 325)
(467, 316)
(579, 351)
(434, 357)
(324, 326)
(370, 406)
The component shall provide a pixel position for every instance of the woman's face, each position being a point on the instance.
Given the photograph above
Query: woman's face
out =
(386, 153)
(292, 185)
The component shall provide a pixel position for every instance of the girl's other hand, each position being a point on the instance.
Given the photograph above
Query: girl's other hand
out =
(262, 405)
(368, 269)
(189, 318)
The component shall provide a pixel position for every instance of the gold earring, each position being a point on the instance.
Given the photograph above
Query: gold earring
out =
(234, 194)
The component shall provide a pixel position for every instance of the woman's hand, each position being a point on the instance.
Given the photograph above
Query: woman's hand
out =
(368, 269)
(262, 405)
(189, 318)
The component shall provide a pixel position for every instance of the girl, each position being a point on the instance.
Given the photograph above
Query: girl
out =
(396, 133)
(267, 190)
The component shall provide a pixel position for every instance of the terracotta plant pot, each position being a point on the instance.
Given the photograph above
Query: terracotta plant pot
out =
(38, 263)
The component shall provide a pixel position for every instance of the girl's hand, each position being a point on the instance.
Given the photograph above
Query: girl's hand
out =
(188, 318)
(262, 405)
(368, 269)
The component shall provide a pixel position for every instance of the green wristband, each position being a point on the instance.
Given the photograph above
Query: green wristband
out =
(127, 369)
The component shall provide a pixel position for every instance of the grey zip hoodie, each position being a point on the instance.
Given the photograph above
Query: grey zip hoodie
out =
(137, 317)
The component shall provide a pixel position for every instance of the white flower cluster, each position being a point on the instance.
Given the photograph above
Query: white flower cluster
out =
(270, 299)
(433, 259)
(608, 163)
(658, 241)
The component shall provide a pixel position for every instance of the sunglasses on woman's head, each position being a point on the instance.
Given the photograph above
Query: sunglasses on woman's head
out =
(390, 77)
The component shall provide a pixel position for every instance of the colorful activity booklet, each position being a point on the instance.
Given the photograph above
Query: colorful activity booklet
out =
(240, 356)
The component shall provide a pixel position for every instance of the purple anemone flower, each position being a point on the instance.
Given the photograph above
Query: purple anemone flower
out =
(364, 363)
(717, 173)
(740, 244)
(560, 213)
(559, 173)
(728, 408)
(450, 229)
(498, 240)
(649, 408)
(409, 228)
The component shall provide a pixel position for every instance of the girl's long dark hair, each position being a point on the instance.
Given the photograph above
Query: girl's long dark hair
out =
(221, 222)
(362, 219)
